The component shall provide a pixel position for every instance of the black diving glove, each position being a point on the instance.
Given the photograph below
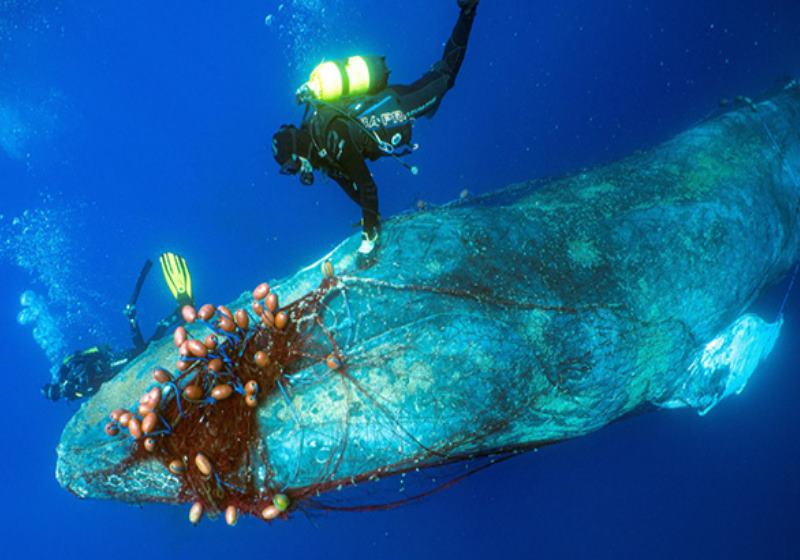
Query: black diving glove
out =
(468, 6)
(129, 310)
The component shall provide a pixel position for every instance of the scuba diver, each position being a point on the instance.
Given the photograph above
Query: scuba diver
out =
(353, 115)
(81, 374)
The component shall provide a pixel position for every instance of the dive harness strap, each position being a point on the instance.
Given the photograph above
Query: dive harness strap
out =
(383, 146)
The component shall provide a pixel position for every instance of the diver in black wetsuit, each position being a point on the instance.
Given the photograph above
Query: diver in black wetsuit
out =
(81, 374)
(336, 138)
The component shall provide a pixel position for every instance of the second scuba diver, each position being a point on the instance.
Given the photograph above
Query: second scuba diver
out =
(353, 115)
(81, 374)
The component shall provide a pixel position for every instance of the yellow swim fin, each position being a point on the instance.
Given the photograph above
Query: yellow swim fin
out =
(177, 277)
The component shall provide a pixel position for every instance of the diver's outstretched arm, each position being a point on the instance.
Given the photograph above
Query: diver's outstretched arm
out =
(357, 180)
(467, 5)
(363, 190)
(130, 309)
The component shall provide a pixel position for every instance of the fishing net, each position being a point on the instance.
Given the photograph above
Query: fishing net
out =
(481, 329)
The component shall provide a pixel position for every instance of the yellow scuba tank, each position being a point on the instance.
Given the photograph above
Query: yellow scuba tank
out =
(350, 77)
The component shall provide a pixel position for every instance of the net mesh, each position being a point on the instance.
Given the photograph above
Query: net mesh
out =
(483, 329)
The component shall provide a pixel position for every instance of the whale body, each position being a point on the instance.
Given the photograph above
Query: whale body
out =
(520, 318)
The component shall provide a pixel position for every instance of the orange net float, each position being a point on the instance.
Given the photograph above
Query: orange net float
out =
(200, 422)
(467, 338)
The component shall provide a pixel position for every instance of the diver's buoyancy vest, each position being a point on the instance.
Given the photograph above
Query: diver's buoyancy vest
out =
(376, 123)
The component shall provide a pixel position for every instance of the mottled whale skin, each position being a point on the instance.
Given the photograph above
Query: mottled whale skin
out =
(536, 314)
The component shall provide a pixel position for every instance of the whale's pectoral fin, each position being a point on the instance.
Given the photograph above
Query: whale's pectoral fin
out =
(723, 366)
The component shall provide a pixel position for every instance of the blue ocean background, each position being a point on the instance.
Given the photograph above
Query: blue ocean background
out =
(128, 129)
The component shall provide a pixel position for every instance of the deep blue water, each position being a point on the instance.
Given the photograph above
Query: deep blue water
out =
(130, 128)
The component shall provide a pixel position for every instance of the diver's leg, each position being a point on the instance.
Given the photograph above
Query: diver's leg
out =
(350, 190)
(366, 197)
(423, 97)
(370, 217)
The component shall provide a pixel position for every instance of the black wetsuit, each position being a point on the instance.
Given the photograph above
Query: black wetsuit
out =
(121, 359)
(342, 143)
(82, 373)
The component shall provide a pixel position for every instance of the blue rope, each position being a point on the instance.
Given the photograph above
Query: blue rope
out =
(225, 357)
(778, 149)
(177, 397)
(289, 402)
(167, 424)
(789, 290)
(794, 179)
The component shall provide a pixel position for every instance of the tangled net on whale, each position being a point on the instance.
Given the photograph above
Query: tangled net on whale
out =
(200, 419)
